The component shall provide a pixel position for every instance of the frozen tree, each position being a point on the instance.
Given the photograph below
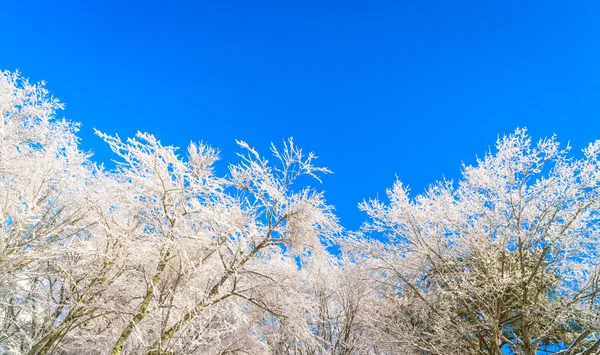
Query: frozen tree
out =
(504, 261)
(159, 255)
(45, 207)
(162, 255)
(185, 266)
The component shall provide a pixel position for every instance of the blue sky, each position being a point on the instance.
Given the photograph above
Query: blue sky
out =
(376, 89)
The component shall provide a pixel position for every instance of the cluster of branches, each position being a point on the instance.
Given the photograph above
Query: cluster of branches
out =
(162, 256)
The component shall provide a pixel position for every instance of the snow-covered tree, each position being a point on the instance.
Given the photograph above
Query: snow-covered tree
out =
(45, 207)
(161, 255)
(157, 256)
(504, 261)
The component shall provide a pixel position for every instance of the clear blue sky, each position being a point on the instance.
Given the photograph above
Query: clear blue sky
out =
(375, 88)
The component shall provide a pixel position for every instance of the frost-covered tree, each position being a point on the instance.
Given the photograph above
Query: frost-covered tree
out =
(161, 255)
(45, 207)
(504, 261)
(208, 261)
(157, 256)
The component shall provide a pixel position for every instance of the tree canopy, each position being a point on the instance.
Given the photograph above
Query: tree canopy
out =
(161, 255)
